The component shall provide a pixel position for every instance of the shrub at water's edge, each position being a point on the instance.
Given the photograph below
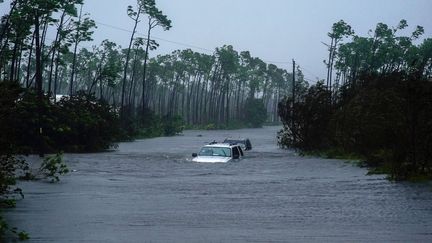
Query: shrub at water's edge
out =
(387, 123)
(376, 101)
(80, 123)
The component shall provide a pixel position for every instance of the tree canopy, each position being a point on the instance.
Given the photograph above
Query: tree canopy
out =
(378, 106)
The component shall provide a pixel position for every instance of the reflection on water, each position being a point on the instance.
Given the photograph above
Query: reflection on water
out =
(150, 191)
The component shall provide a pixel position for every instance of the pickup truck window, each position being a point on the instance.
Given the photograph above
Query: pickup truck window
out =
(215, 151)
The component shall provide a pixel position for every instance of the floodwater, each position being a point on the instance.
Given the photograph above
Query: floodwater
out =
(150, 191)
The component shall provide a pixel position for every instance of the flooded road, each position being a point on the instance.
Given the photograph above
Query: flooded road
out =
(150, 191)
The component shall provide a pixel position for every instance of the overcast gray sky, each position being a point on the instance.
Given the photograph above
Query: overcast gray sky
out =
(274, 30)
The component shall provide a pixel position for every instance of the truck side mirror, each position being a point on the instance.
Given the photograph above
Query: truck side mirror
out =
(194, 155)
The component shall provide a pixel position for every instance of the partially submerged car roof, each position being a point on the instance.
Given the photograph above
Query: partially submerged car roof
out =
(221, 145)
(244, 141)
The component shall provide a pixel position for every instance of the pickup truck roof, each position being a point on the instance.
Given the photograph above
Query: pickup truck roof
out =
(244, 142)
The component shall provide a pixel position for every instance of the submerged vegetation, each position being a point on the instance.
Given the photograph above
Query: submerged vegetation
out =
(53, 167)
(379, 107)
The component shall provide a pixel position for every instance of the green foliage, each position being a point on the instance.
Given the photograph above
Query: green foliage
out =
(172, 125)
(5, 229)
(384, 52)
(53, 167)
(8, 203)
(10, 92)
(22, 235)
(210, 126)
(255, 112)
(156, 17)
(85, 123)
(340, 29)
(311, 114)
(232, 125)
(379, 107)
(151, 125)
(81, 123)
(236, 124)
(10, 166)
(151, 128)
(201, 88)
(386, 121)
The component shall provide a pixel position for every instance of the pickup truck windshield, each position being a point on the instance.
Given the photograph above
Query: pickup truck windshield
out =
(215, 151)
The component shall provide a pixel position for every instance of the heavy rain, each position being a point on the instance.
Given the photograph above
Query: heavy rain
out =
(215, 121)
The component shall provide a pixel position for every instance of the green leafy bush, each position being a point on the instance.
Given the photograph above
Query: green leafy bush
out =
(80, 123)
(385, 119)
(85, 124)
(10, 166)
(311, 114)
(10, 94)
(5, 229)
(210, 126)
(255, 112)
(172, 125)
(53, 167)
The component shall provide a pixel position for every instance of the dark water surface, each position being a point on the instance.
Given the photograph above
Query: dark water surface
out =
(150, 191)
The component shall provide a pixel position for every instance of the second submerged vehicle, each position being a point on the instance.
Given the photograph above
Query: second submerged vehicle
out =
(245, 143)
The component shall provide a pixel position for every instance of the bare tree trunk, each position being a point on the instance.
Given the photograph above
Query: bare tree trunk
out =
(328, 64)
(18, 69)
(71, 88)
(39, 83)
(5, 28)
(13, 61)
(227, 115)
(203, 116)
(54, 49)
(132, 87)
(128, 57)
(145, 66)
(38, 57)
(29, 62)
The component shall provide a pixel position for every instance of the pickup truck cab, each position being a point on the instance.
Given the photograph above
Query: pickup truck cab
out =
(218, 153)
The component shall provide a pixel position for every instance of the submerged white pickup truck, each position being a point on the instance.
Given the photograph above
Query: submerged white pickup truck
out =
(218, 153)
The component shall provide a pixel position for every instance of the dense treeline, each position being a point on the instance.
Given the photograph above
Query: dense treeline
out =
(378, 107)
(40, 52)
(40, 49)
(215, 88)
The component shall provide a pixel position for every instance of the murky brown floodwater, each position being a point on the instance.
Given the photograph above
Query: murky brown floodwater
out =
(150, 191)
